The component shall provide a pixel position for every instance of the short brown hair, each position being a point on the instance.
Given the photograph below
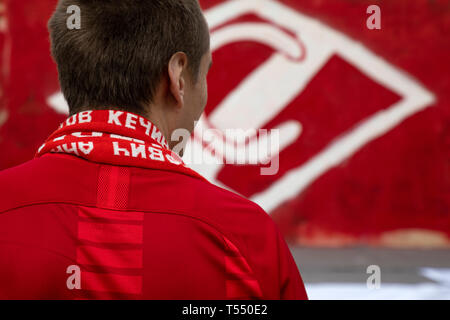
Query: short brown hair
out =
(122, 50)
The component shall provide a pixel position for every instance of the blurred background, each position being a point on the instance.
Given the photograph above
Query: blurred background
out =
(364, 121)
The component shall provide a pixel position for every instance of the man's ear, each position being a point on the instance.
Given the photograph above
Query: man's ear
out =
(177, 83)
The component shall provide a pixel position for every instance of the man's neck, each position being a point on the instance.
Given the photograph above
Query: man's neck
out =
(161, 122)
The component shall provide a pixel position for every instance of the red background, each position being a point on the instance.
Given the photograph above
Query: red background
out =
(397, 183)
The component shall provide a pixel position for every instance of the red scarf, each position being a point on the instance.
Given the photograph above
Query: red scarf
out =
(115, 137)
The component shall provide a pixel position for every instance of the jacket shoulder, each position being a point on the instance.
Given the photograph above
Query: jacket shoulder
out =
(52, 178)
(180, 193)
(14, 183)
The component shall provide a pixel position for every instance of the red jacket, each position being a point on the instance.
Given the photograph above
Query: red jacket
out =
(75, 229)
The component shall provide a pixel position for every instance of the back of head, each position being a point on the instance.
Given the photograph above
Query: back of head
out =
(118, 56)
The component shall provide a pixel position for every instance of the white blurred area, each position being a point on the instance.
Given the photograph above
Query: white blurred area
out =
(389, 291)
